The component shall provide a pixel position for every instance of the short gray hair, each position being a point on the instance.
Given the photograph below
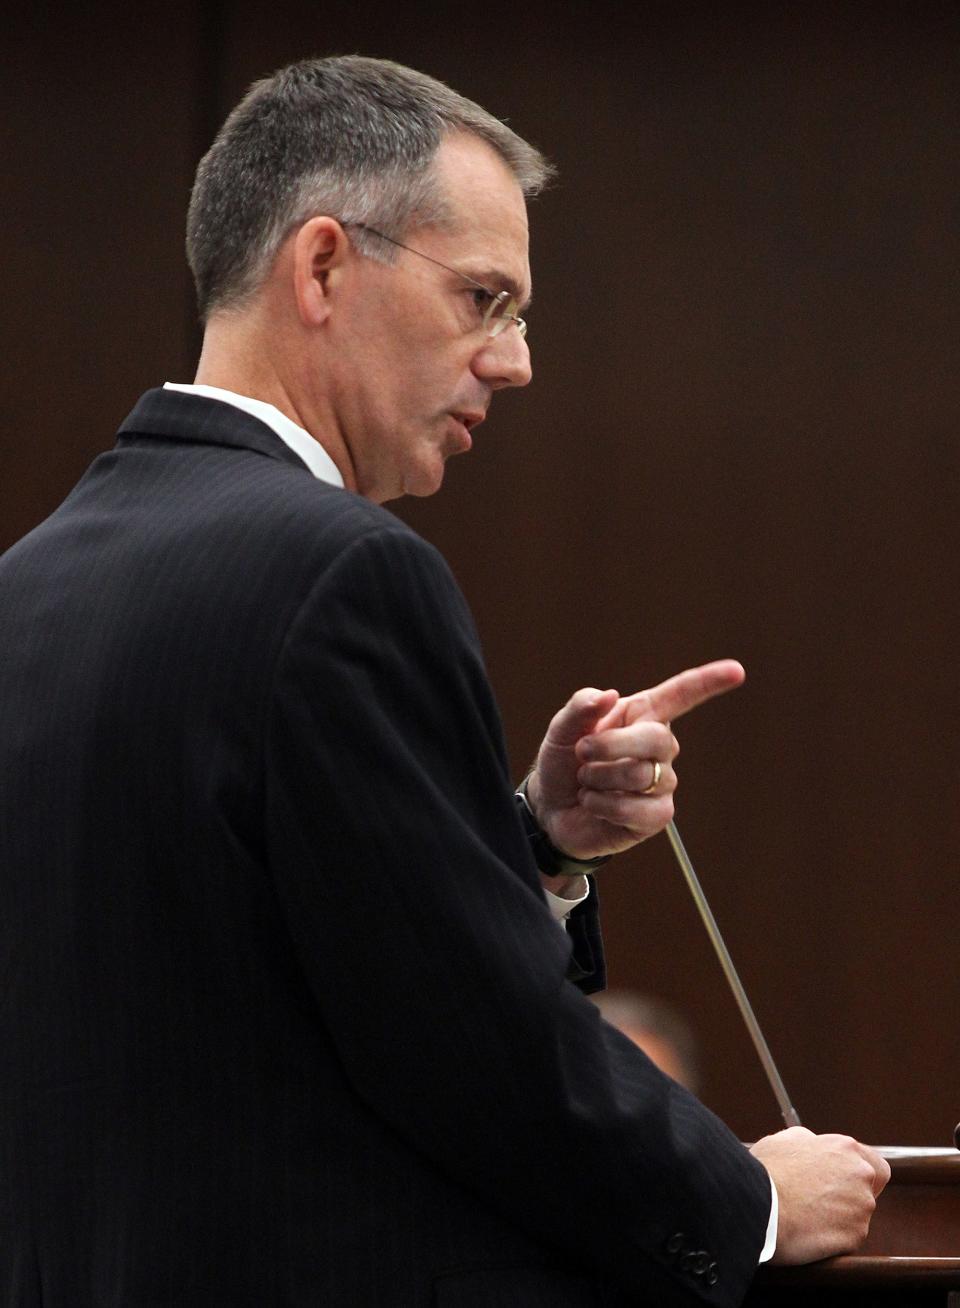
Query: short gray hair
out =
(349, 136)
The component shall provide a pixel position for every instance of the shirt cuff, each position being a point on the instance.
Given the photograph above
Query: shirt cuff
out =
(560, 905)
(770, 1244)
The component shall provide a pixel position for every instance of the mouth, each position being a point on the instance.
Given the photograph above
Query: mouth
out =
(470, 418)
(465, 422)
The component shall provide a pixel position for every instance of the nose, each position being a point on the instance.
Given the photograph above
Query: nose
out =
(503, 360)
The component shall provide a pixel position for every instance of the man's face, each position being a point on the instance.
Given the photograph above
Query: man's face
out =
(417, 368)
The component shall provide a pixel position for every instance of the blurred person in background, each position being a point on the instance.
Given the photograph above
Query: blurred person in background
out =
(656, 1027)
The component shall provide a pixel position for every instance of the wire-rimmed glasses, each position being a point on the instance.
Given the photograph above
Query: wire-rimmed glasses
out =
(501, 308)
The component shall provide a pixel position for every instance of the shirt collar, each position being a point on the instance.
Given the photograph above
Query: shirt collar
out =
(300, 441)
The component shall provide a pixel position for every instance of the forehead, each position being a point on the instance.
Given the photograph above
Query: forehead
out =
(486, 232)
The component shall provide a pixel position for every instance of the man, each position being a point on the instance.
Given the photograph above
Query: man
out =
(285, 1014)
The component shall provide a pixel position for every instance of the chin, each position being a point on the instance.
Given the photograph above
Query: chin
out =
(424, 481)
(421, 490)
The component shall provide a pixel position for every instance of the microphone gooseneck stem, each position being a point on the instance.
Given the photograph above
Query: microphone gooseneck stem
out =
(787, 1110)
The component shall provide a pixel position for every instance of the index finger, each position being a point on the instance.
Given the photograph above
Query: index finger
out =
(678, 695)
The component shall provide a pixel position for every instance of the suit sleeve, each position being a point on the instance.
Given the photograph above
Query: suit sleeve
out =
(418, 918)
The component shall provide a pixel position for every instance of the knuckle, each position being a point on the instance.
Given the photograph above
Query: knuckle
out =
(661, 735)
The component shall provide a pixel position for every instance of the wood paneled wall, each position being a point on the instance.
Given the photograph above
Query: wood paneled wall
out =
(741, 440)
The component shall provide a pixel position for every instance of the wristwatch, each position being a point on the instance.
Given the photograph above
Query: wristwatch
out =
(551, 861)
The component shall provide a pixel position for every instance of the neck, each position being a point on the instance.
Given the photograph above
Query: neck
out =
(240, 355)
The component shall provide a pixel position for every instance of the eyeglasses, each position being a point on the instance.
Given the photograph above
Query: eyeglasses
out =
(501, 308)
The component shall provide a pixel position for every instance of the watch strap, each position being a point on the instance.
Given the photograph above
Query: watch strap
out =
(551, 861)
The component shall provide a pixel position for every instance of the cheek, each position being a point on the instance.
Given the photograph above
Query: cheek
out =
(415, 376)
(427, 383)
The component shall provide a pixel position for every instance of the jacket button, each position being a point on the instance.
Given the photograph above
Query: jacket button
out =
(675, 1243)
(701, 1261)
(713, 1274)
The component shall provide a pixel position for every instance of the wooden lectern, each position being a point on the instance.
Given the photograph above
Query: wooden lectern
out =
(911, 1258)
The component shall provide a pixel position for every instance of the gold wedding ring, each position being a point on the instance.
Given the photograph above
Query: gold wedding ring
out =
(657, 774)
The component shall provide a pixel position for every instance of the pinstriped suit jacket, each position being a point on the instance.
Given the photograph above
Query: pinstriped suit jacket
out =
(283, 1016)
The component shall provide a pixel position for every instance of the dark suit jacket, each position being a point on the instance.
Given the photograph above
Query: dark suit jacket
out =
(283, 1016)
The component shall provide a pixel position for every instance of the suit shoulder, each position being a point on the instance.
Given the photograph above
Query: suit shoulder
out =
(291, 507)
(336, 542)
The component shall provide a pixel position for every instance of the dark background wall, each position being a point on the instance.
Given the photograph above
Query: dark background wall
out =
(741, 440)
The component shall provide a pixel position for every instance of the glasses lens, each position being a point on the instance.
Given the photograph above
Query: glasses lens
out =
(501, 312)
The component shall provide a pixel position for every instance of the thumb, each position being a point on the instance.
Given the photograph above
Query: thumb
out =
(579, 716)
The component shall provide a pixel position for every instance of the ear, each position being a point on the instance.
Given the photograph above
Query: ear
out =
(319, 250)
